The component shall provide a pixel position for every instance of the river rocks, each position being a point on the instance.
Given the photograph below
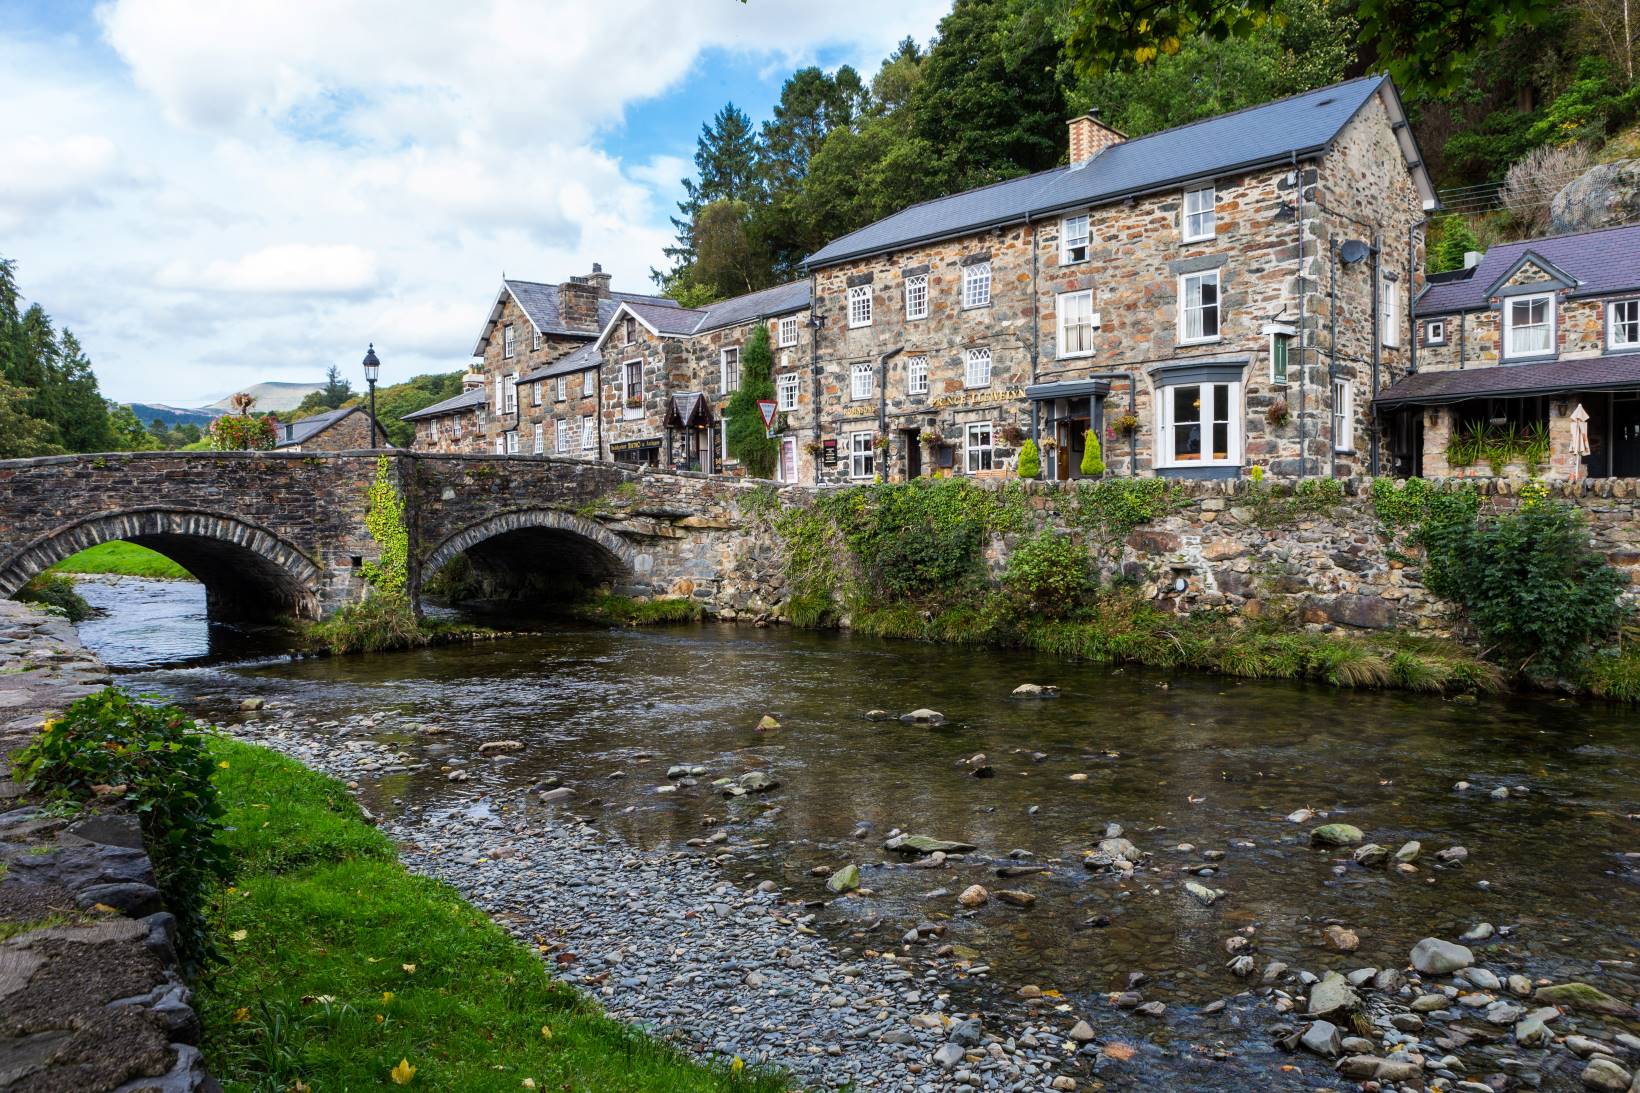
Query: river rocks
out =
(1242, 966)
(1581, 996)
(1081, 1032)
(758, 781)
(879, 715)
(1452, 855)
(948, 1056)
(845, 879)
(250, 704)
(1371, 855)
(1479, 932)
(924, 844)
(1301, 816)
(1015, 898)
(967, 1033)
(1342, 939)
(1533, 1033)
(1035, 690)
(1336, 835)
(1606, 1075)
(923, 716)
(974, 895)
(1408, 853)
(767, 724)
(1323, 1039)
(1203, 895)
(1332, 995)
(1483, 978)
(1432, 956)
(500, 747)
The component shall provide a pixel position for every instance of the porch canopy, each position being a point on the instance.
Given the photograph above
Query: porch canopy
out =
(1616, 372)
(688, 411)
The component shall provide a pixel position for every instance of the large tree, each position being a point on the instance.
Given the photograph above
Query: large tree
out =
(54, 370)
(726, 167)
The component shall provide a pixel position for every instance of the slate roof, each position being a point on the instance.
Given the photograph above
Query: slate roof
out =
(1617, 372)
(1604, 262)
(295, 432)
(464, 401)
(539, 302)
(1223, 145)
(762, 304)
(580, 359)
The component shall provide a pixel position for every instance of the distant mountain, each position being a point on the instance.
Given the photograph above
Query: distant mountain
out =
(173, 415)
(270, 397)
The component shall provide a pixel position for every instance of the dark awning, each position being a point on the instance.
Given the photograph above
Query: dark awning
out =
(687, 411)
(1038, 392)
(1618, 372)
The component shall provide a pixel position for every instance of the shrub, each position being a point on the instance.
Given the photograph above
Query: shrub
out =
(1048, 574)
(1536, 177)
(1093, 460)
(1539, 596)
(375, 624)
(749, 441)
(56, 591)
(156, 759)
(1456, 239)
(1030, 460)
(915, 539)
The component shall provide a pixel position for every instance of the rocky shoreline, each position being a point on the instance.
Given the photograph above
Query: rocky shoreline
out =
(728, 963)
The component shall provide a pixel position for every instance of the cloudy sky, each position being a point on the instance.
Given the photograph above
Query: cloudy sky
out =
(215, 194)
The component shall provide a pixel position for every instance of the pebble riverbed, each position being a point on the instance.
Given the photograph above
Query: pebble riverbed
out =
(692, 948)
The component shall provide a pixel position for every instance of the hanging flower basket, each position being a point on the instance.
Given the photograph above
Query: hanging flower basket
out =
(814, 447)
(1278, 414)
(932, 438)
(880, 443)
(1013, 435)
(1124, 425)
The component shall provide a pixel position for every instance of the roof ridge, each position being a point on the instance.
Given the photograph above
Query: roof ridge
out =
(1563, 235)
(1376, 78)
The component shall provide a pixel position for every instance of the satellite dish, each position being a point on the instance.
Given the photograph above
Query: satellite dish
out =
(1353, 251)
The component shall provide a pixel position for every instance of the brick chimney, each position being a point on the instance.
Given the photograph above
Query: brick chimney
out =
(1090, 136)
(578, 304)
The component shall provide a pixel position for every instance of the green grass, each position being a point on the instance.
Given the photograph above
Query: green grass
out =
(1615, 675)
(330, 921)
(624, 611)
(124, 559)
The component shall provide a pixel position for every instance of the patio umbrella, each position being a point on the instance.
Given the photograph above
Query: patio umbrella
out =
(1580, 431)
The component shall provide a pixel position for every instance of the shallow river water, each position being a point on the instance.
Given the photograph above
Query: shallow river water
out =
(1185, 764)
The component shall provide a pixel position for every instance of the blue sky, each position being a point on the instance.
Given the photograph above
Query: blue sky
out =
(216, 195)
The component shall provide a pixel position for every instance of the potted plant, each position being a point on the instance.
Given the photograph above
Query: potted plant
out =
(1124, 425)
(1030, 462)
(931, 437)
(633, 402)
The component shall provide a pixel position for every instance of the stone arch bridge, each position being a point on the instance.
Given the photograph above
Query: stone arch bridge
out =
(274, 534)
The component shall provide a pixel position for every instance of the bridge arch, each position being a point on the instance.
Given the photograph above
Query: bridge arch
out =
(531, 546)
(248, 572)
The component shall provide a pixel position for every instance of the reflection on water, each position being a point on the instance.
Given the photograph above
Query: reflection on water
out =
(1186, 764)
(150, 622)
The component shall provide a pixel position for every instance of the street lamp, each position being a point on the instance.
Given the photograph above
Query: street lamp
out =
(372, 368)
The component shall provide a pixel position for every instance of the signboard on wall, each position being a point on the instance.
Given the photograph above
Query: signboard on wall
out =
(987, 397)
(828, 452)
(633, 445)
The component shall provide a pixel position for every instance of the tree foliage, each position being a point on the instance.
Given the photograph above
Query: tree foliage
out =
(1453, 239)
(749, 442)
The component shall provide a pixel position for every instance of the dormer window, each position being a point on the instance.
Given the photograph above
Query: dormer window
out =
(1435, 332)
(1073, 236)
(1200, 214)
(1623, 325)
(1529, 326)
(629, 330)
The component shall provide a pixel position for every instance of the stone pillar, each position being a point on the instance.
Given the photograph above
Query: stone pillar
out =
(1437, 432)
(1563, 465)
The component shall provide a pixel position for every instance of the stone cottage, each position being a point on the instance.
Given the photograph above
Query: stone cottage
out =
(1204, 299)
(344, 430)
(457, 424)
(1527, 362)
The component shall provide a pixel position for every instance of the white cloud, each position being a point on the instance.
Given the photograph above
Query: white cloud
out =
(214, 195)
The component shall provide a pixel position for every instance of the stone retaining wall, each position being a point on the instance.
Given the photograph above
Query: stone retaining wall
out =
(90, 998)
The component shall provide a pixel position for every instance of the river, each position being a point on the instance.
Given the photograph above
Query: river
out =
(1199, 771)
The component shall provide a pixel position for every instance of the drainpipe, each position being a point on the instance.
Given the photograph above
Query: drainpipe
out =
(598, 408)
(1412, 297)
(1332, 340)
(1036, 327)
(1303, 374)
(882, 397)
(1377, 342)
(814, 367)
(1463, 340)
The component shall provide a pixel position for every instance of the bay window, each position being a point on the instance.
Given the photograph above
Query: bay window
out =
(1529, 326)
(1199, 307)
(1200, 424)
(1076, 323)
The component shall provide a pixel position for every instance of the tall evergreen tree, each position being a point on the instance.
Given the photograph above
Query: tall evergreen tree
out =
(749, 442)
(726, 163)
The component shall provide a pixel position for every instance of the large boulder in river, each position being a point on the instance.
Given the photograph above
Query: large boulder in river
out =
(1333, 995)
(1581, 996)
(923, 844)
(1337, 835)
(1432, 956)
(1605, 196)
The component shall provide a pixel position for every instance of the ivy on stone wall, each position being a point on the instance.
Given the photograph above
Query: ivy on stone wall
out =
(1271, 506)
(390, 573)
(1112, 509)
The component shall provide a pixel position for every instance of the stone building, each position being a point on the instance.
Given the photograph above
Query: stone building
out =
(456, 424)
(1515, 349)
(668, 374)
(343, 430)
(1220, 295)
(531, 326)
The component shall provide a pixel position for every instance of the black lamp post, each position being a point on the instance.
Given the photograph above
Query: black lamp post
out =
(372, 367)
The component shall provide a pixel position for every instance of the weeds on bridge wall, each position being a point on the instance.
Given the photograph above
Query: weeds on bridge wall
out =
(390, 573)
(385, 619)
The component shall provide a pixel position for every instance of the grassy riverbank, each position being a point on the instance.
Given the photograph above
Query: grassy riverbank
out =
(339, 964)
(123, 559)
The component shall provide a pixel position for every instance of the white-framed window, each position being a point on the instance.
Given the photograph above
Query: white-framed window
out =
(1281, 347)
(1076, 323)
(729, 369)
(859, 305)
(1389, 313)
(916, 376)
(976, 285)
(978, 452)
(432, 430)
(1343, 416)
(1623, 325)
(632, 387)
(561, 388)
(976, 371)
(540, 438)
(1200, 214)
(512, 393)
(1529, 325)
(788, 331)
(589, 436)
(629, 330)
(1073, 239)
(509, 345)
(1199, 307)
(455, 427)
(535, 338)
(1435, 332)
(560, 436)
(785, 391)
(860, 381)
(512, 442)
(535, 393)
(589, 383)
(916, 296)
(1201, 425)
(862, 457)
(500, 445)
